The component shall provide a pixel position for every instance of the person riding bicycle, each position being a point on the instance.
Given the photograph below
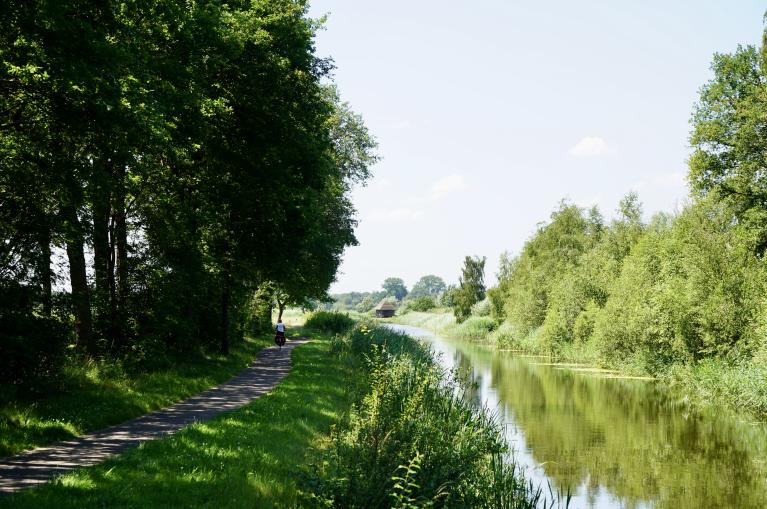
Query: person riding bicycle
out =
(279, 338)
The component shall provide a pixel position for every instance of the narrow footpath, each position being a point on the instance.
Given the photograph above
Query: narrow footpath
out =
(40, 465)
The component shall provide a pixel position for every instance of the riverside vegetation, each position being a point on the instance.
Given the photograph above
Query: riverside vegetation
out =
(414, 438)
(680, 297)
(386, 427)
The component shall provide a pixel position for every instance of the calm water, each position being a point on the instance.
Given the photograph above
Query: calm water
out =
(614, 442)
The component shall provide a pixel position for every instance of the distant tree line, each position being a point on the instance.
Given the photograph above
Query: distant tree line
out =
(426, 294)
(159, 163)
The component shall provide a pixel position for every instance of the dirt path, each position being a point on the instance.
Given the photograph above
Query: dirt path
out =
(40, 465)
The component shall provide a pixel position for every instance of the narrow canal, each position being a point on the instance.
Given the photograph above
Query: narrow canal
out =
(613, 442)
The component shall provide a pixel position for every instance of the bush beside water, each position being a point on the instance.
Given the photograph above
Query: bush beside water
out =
(329, 321)
(414, 439)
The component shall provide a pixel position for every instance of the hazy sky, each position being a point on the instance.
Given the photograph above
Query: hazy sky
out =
(489, 112)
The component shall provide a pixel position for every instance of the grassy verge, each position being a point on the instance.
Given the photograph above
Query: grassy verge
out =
(246, 458)
(98, 394)
(442, 322)
(415, 438)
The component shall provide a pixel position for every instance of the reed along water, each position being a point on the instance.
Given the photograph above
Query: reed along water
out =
(613, 442)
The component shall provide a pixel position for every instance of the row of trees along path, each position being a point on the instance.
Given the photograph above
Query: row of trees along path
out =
(199, 152)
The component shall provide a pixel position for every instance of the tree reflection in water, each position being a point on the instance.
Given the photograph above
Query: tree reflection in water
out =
(617, 442)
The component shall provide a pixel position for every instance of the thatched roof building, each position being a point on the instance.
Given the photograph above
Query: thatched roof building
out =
(385, 310)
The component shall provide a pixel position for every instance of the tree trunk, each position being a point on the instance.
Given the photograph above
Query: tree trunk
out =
(79, 280)
(113, 320)
(281, 308)
(101, 250)
(121, 250)
(44, 270)
(225, 317)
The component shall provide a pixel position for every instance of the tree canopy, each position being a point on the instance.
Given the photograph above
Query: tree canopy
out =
(728, 138)
(196, 153)
(429, 285)
(471, 287)
(395, 287)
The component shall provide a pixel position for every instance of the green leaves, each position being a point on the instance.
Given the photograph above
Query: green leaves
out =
(729, 135)
(195, 150)
(471, 287)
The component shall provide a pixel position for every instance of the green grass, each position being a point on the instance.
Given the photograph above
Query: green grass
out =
(438, 321)
(99, 394)
(246, 458)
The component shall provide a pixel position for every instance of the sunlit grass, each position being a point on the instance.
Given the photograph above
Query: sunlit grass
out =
(246, 458)
(100, 394)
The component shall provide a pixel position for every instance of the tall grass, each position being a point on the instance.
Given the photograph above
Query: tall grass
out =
(414, 439)
(475, 328)
(329, 321)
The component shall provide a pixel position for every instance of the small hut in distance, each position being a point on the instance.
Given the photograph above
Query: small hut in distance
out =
(385, 310)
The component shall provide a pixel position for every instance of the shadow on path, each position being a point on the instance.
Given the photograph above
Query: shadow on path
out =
(40, 465)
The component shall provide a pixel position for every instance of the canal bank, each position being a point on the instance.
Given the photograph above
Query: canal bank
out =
(613, 442)
(735, 382)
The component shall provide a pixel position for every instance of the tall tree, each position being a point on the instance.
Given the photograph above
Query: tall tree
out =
(471, 287)
(430, 285)
(728, 137)
(395, 287)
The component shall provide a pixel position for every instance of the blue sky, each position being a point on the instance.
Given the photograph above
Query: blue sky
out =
(488, 113)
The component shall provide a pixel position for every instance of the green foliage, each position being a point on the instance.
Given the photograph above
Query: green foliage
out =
(728, 160)
(366, 334)
(422, 303)
(447, 299)
(247, 457)
(32, 347)
(396, 287)
(430, 285)
(93, 394)
(331, 322)
(680, 290)
(414, 439)
(355, 301)
(471, 287)
(475, 328)
(198, 153)
(688, 291)
(528, 281)
(482, 308)
(586, 283)
(259, 313)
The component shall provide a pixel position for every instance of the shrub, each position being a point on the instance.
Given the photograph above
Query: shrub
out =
(32, 350)
(329, 321)
(482, 308)
(422, 303)
(476, 327)
(687, 291)
(367, 334)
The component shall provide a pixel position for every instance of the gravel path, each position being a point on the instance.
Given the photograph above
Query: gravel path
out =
(40, 465)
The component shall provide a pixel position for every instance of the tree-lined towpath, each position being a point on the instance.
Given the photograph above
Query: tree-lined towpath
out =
(40, 465)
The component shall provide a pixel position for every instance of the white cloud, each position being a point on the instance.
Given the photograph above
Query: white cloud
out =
(396, 215)
(446, 186)
(589, 146)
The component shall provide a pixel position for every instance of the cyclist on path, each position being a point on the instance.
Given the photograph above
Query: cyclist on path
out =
(279, 338)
